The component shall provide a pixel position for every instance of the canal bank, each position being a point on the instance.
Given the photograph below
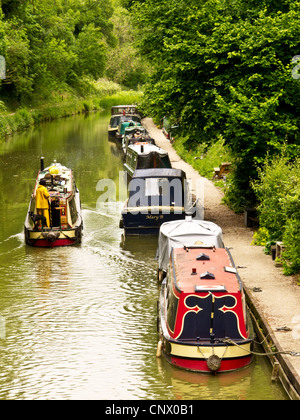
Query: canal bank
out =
(272, 297)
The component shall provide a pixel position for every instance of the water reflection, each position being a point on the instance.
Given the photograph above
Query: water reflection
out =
(80, 322)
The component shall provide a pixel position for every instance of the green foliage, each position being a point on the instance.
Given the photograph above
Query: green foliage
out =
(271, 190)
(261, 237)
(91, 51)
(125, 65)
(291, 256)
(278, 192)
(122, 97)
(223, 67)
(53, 45)
(203, 157)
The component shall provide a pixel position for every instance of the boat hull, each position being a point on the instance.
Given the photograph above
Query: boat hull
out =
(147, 222)
(215, 355)
(52, 238)
(208, 359)
(112, 131)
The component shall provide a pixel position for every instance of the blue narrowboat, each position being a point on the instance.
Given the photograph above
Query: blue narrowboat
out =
(156, 195)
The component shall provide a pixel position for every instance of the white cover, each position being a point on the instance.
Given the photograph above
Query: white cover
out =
(188, 232)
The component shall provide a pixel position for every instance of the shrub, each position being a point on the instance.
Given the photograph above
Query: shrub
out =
(120, 98)
(203, 157)
(272, 187)
(291, 256)
(278, 192)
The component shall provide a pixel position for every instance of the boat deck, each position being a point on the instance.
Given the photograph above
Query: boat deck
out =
(205, 269)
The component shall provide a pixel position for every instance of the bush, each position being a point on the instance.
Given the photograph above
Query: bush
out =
(203, 157)
(278, 192)
(291, 256)
(121, 98)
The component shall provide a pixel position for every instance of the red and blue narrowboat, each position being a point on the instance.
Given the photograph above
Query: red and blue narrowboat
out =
(60, 222)
(203, 322)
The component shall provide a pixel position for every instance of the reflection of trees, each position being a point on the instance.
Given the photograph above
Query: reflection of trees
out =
(78, 142)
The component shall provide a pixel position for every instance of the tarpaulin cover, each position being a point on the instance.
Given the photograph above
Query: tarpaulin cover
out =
(153, 160)
(186, 232)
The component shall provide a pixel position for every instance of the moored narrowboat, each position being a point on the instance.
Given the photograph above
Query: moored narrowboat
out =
(57, 221)
(120, 133)
(122, 113)
(143, 155)
(156, 196)
(203, 323)
(135, 135)
(189, 232)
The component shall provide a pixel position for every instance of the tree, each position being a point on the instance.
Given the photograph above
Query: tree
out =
(48, 46)
(91, 51)
(125, 64)
(223, 67)
(17, 55)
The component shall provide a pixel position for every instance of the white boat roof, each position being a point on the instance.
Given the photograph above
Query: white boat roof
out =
(147, 148)
(188, 232)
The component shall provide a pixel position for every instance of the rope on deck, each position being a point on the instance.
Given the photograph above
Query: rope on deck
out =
(273, 353)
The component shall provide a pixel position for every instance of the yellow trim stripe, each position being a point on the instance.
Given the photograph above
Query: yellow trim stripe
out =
(38, 235)
(224, 352)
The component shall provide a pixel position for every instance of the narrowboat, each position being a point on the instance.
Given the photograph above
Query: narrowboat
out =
(61, 223)
(203, 322)
(135, 135)
(156, 196)
(187, 232)
(122, 113)
(122, 127)
(145, 156)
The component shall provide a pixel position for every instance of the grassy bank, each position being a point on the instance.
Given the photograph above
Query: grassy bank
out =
(103, 95)
(203, 157)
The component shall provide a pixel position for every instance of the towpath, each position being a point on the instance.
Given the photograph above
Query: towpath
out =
(278, 298)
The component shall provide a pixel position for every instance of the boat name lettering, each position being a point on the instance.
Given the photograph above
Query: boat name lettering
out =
(150, 216)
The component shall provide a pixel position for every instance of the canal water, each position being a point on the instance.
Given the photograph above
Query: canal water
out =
(80, 322)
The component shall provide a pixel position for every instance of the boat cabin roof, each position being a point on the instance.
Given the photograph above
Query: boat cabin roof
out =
(204, 269)
(123, 125)
(58, 178)
(129, 109)
(188, 232)
(146, 148)
(159, 173)
(132, 129)
(141, 140)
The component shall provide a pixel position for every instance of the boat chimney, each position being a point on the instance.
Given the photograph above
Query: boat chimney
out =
(42, 163)
(142, 148)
